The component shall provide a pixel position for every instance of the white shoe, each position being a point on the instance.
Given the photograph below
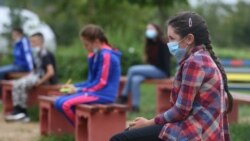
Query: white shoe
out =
(26, 119)
(13, 117)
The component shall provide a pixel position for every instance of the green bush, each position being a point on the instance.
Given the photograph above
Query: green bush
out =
(71, 63)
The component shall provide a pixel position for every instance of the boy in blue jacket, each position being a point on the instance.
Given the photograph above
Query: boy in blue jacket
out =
(103, 74)
(22, 54)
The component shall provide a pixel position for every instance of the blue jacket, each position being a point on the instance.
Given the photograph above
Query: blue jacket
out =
(23, 55)
(104, 72)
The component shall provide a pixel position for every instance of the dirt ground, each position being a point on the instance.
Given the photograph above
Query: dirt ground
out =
(17, 131)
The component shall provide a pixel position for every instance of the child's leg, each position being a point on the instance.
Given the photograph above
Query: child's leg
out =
(59, 102)
(66, 104)
(19, 90)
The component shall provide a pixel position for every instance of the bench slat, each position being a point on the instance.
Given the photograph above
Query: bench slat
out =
(237, 70)
(15, 75)
(239, 86)
(152, 81)
(245, 98)
(238, 77)
(51, 99)
(235, 63)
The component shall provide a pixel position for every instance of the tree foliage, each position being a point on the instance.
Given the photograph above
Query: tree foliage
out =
(66, 17)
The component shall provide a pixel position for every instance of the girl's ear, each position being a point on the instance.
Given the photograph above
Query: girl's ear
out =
(190, 39)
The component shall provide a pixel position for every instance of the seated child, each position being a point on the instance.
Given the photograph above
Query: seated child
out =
(44, 73)
(103, 76)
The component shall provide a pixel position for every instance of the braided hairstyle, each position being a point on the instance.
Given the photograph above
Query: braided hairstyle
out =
(189, 22)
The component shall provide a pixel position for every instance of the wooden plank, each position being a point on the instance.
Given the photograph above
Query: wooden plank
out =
(238, 77)
(235, 63)
(241, 97)
(152, 81)
(16, 75)
(47, 98)
(239, 86)
(237, 70)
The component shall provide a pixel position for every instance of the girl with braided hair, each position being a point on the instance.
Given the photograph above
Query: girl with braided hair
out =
(199, 107)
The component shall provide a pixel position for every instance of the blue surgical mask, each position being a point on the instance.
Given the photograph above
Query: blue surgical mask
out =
(151, 34)
(176, 51)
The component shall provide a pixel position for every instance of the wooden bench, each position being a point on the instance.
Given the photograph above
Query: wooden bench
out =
(32, 97)
(95, 122)
(163, 92)
(15, 75)
(158, 82)
(238, 73)
(50, 120)
(239, 98)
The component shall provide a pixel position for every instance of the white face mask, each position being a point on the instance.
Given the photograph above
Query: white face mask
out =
(95, 50)
(36, 50)
(150, 33)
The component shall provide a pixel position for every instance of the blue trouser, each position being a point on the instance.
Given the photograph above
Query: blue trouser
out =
(136, 74)
(9, 68)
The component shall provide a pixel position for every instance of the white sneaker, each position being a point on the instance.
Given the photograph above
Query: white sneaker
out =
(13, 117)
(26, 119)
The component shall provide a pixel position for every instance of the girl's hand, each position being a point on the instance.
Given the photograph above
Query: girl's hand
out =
(72, 88)
(139, 122)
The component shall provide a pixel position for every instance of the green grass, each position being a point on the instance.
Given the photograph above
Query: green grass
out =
(240, 132)
(233, 53)
(34, 113)
(57, 138)
(1, 107)
(147, 103)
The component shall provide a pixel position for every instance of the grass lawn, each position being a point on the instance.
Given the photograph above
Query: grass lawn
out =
(1, 107)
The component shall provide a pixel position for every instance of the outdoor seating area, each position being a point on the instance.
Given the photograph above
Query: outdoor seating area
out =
(129, 70)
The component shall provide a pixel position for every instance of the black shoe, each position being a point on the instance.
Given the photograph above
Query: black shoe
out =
(17, 114)
(135, 109)
(122, 100)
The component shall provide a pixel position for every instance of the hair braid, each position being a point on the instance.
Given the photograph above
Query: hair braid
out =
(223, 73)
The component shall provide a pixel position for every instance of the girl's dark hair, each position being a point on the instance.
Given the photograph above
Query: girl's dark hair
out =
(92, 32)
(189, 22)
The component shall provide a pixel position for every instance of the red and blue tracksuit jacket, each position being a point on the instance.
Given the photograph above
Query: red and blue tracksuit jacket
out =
(104, 72)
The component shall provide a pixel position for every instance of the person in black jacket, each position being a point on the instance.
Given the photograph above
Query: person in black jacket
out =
(157, 57)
